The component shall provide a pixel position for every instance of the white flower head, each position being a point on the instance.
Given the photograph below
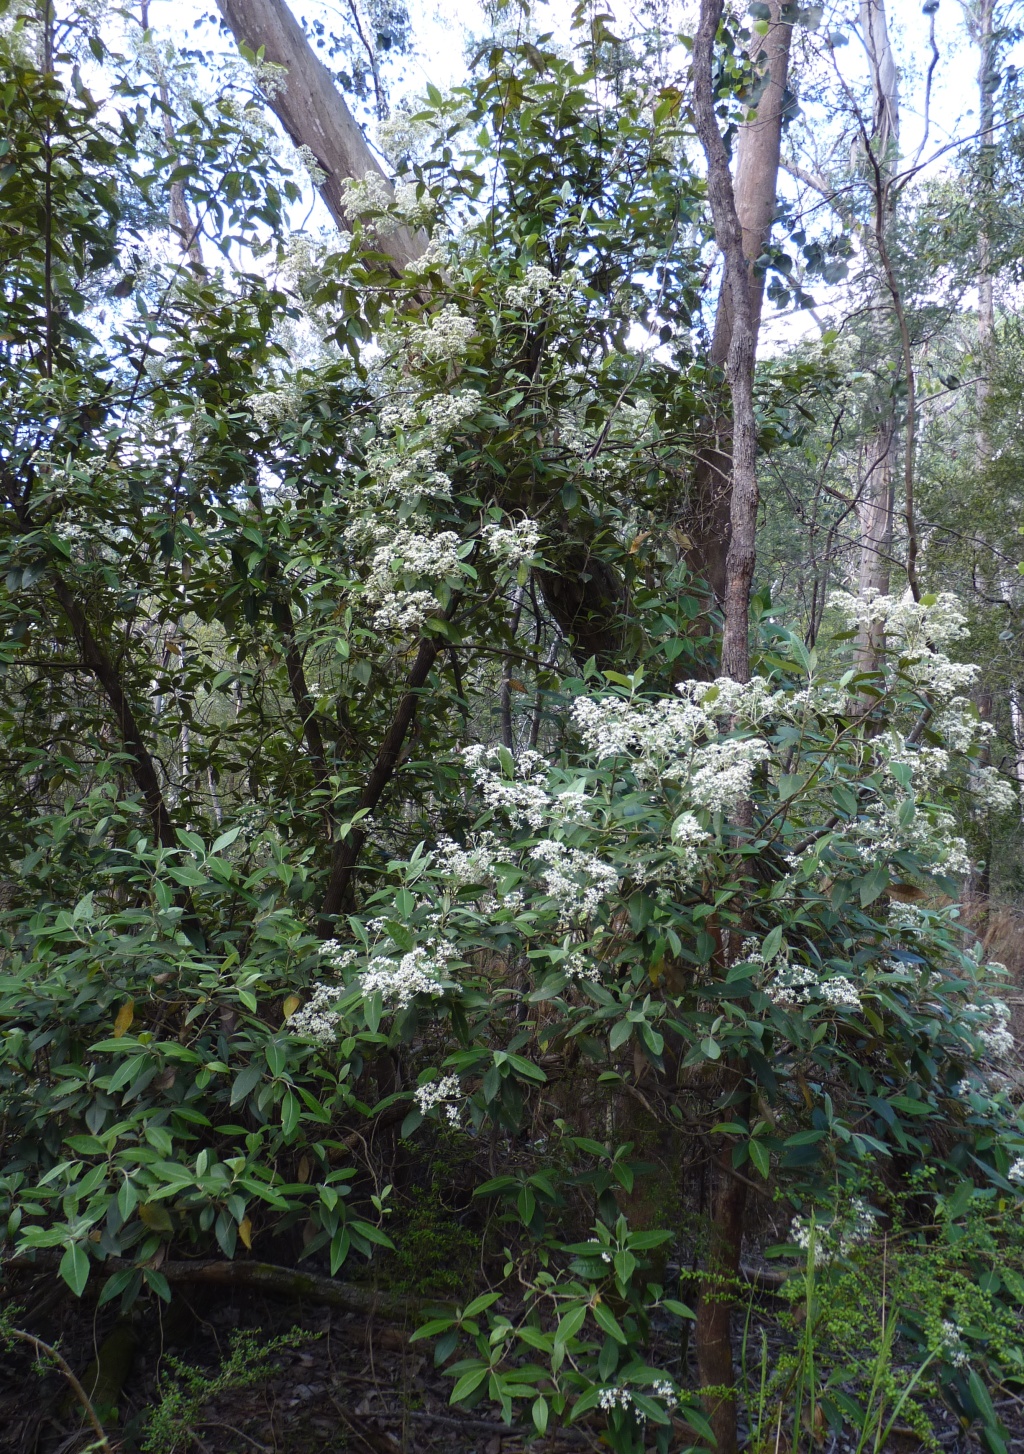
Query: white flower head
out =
(419, 972)
(444, 1093)
(512, 545)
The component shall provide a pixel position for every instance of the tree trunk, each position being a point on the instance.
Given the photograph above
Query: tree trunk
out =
(875, 503)
(983, 26)
(717, 1290)
(313, 112)
(755, 188)
(743, 501)
(875, 516)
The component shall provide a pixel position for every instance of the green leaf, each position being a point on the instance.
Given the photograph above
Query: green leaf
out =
(431, 1329)
(540, 1414)
(570, 1323)
(74, 1268)
(677, 1309)
(468, 1383)
(607, 1321)
(485, 1300)
(759, 1156)
(621, 1031)
(772, 942)
(872, 885)
(245, 1081)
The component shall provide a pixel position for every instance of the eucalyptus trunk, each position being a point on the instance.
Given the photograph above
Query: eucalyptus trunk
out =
(875, 498)
(758, 148)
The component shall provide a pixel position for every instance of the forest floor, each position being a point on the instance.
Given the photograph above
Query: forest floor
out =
(347, 1382)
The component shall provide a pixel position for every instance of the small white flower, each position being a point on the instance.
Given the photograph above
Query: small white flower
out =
(444, 1093)
(512, 545)
(1016, 1172)
(615, 1398)
(951, 1344)
(665, 1390)
(399, 981)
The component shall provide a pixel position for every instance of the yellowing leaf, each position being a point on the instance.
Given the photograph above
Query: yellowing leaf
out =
(245, 1232)
(291, 1004)
(156, 1217)
(303, 1171)
(125, 1016)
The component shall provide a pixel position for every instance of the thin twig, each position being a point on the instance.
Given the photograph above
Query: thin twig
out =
(47, 1350)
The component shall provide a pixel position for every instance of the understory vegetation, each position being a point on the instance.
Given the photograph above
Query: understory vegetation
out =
(396, 889)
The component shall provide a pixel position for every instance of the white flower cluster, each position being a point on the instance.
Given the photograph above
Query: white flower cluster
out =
(989, 789)
(538, 285)
(918, 631)
(371, 196)
(445, 1093)
(434, 419)
(272, 405)
(676, 739)
(434, 556)
(577, 881)
(399, 981)
(446, 338)
(337, 956)
(885, 828)
(318, 1018)
(528, 294)
(307, 160)
(838, 1237)
(996, 1036)
(521, 798)
(404, 554)
(666, 1391)
(687, 838)
(466, 866)
(918, 625)
(721, 772)
(414, 209)
(800, 985)
(580, 967)
(403, 613)
(951, 1344)
(615, 1398)
(404, 461)
(400, 137)
(1016, 1172)
(512, 545)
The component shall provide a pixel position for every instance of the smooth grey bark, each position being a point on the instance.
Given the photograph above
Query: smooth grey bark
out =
(875, 504)
(743, 500)
(755, 189)
(313, 112)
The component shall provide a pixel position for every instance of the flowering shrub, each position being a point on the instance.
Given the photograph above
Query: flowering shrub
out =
(365, 784)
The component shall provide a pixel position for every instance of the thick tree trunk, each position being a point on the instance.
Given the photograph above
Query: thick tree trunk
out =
(755, 189)
(313, 111)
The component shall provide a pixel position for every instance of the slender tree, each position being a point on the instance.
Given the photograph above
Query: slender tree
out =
(755, 188)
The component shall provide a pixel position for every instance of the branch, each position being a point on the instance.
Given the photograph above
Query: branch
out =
(347, 849)
(313, 112)
(46, 1350)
